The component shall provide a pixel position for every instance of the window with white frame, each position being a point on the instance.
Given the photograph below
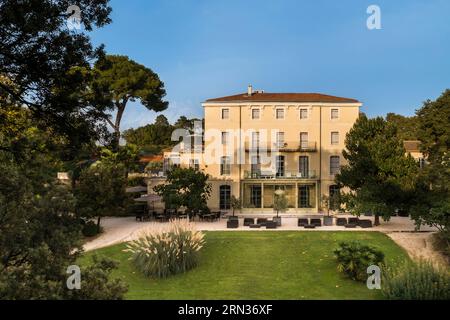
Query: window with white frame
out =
(225, 113)
(303, 140)
(255, 139)
(255, 113)
(303, 113)
(225, 166)
(225, 137)
(280, 139)
(334, 113)
(279, 113)
(334, 164)
(334, 137)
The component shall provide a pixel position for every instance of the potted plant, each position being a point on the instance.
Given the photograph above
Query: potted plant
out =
(280, 203)
(235, 205)
(330, 203)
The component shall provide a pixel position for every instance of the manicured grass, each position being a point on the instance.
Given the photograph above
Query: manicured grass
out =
(258, 265)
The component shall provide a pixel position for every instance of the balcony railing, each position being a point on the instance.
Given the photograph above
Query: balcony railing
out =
(262, 174)
(290, 146)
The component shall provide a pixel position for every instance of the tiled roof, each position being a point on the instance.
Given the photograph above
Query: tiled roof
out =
(411, 145)
(283, 97)
(151, 158)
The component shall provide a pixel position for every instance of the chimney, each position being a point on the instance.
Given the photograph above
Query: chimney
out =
(249, 90)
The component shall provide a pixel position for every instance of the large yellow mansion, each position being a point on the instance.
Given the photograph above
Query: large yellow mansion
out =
(255, 143)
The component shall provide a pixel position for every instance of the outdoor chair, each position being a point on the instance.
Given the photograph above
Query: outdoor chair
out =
(317, 222)
(302, 222)
(261, 221)
(353, 220)
(365, 223)
(271, 224)
(232, 223)
(341, 221)
(249, 221)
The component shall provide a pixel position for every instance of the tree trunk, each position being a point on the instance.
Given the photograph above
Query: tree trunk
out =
(116, 126)
(98, 224)
(377, 220)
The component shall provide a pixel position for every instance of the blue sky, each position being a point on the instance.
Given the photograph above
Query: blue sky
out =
(209, 48)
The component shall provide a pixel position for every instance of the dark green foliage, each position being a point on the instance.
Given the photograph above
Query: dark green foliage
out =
(407, 127)
(90, 229)
(354, 258)
(101, 191)
(185, 187)
(96, 283)
(153, 138)
(415, 281)
(441, 243)
(125, 81)
(432, 199)
(50, 64)
(379, 172)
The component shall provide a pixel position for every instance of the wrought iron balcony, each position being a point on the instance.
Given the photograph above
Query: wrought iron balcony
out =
(290, 146)
(269, 174)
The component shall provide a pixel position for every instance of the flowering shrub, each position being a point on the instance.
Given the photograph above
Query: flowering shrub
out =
(171, 250)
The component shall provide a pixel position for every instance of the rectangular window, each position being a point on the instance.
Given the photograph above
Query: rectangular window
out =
(224, 197)
(194, 164)
(225, 113)
(279, 113)
(225, 166)
(303, 166)
(334, 164)
(334, 113)
(280, 139)
(255, 114)
(255, 196)
(303, 113)
(255, 167)
(225, 136)
(255, 139)
(279, 166)
(304, 197)
(335, 137)
(303, 140)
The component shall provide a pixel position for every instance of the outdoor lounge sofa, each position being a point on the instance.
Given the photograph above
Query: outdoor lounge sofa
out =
(350, 225)
(353, 220)
(310, 226)
(316, 221)
(261, 221)
(341, 221)
(302, 222)
(365, 223)
(248, 221)
(271, 224)
(255, 226)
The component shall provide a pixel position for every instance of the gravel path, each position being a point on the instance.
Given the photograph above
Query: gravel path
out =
(418, 245)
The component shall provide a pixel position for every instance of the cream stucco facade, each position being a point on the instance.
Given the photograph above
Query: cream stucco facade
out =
(272, 141)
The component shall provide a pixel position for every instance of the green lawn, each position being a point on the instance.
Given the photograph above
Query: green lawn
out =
(258, 265)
